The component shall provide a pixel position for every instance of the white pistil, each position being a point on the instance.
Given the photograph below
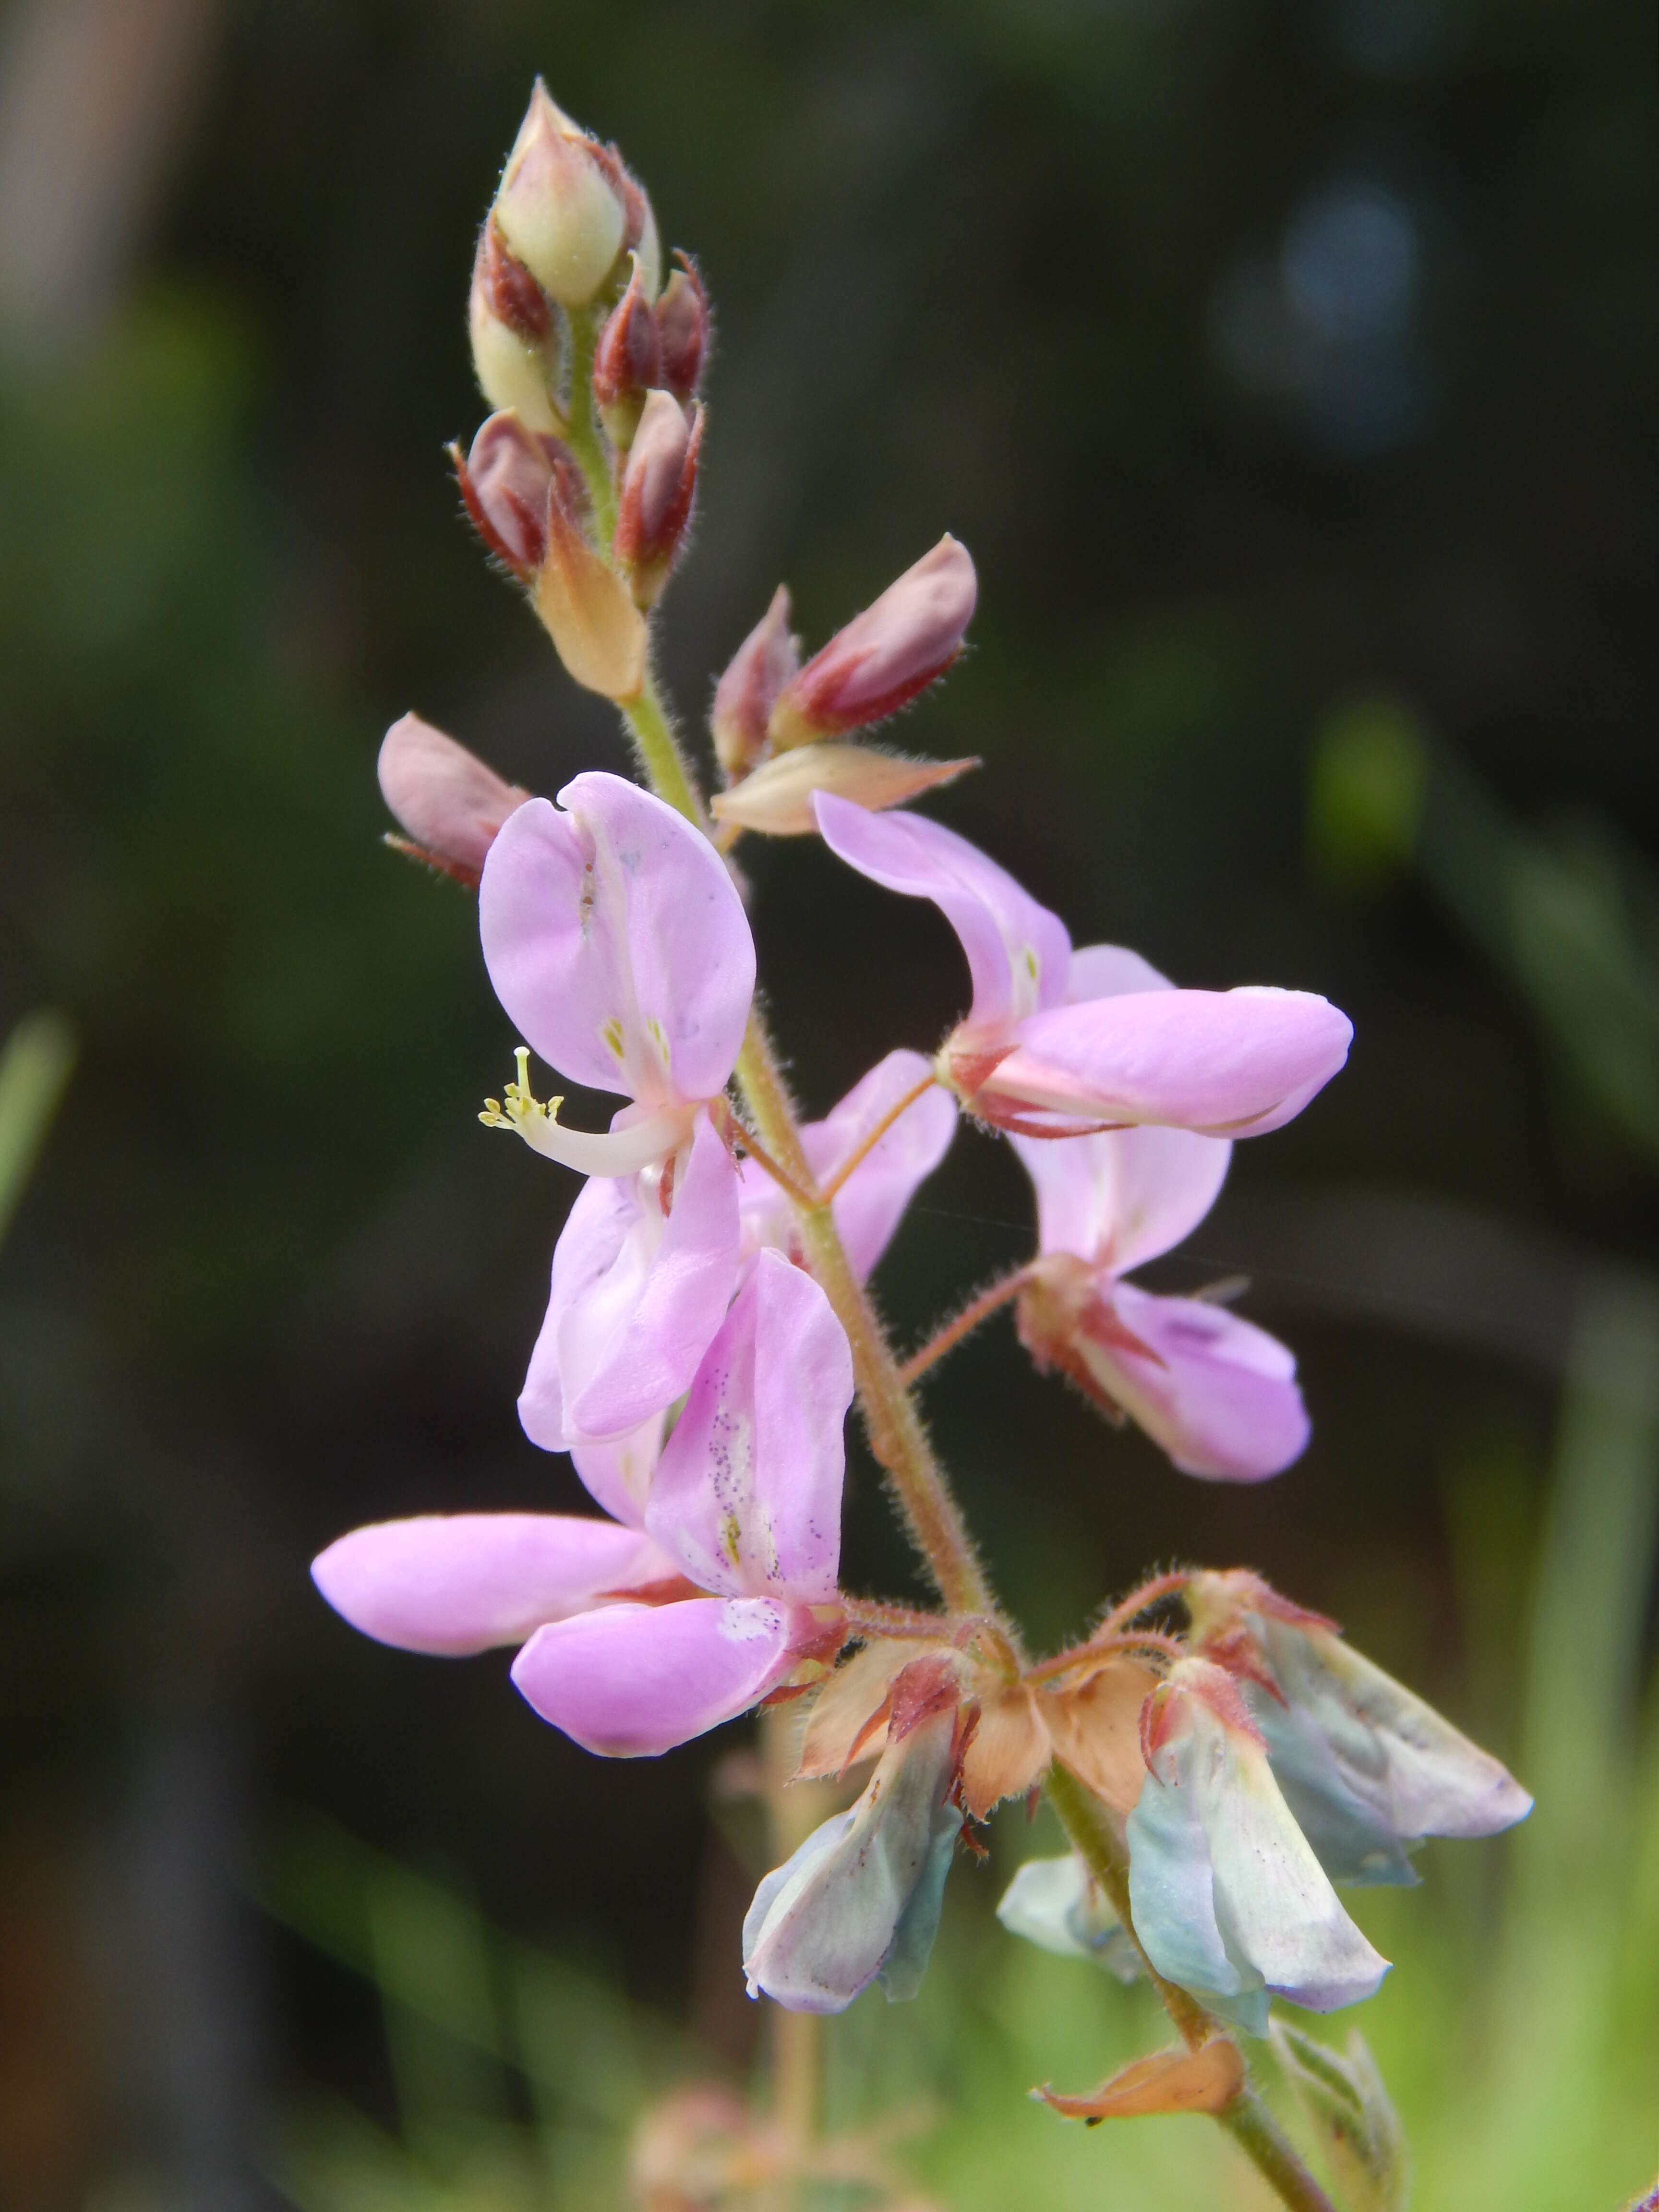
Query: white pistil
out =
(594, 1152)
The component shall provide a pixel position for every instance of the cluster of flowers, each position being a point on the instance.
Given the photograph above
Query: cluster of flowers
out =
(696, 1371)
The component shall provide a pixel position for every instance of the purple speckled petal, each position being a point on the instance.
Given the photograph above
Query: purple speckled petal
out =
(1226, 1063)
(1224, 1402)
(747, 1495)
(632, 1680)
(616, 942)
(635, 1300)
(458, 1582)
(1019, 953)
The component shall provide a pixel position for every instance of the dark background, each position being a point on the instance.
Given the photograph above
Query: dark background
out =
(1271, 360)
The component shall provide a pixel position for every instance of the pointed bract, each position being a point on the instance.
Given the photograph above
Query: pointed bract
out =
(777, 799)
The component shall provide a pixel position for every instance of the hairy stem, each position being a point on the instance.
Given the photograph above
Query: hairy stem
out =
(1247, 2119)
(867, 1144)
(584, 437)
(976, 1310)
(666, 768)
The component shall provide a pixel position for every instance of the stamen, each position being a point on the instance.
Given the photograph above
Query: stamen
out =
(593, 1152)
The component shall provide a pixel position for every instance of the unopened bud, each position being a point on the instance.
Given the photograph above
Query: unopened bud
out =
(658, 484)
(448, 801)
(559, 209)
(640, 234)
(516, 346)
(884, 656)
(682, 329)
(587, 611)
(777, 798)
(746, 694)
(505, 480)
(625, 362)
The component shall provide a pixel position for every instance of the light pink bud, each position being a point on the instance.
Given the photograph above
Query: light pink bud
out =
(658, 486)
(448, 801)
(625, 362)
(515, 353)
(682, 328)
(884, 656)
(777, 798)
(558, 207)
(746, 694)
(505, 480)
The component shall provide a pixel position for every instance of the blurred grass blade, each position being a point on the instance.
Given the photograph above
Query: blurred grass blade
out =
(1351, 2114)
(34, 1068)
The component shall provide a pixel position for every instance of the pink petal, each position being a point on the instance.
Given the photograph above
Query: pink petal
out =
(458, 1582)
(635, 1300)
(1123, 1198)
(747, 1495)
(1107, 971)
(448, 801)
(617, 943)
(1223, 1402)
(617, 1473)
(1018, 952)
(633, 1681)
(1227, 1063)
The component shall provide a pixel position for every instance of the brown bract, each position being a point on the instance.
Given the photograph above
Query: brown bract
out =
(1095, 1725)
(1175, 2080)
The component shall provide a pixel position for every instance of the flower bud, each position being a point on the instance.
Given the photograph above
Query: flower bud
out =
(884, 656)
(585, 606)
(515, 345)
(559, 206)
(506, 481)
(682, 330)
(658, 484)
(860, 1901)
(777, 798)
(625, 362)
(745, 695)
(448, 801)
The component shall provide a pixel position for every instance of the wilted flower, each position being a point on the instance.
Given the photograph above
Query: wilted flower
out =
(1366, 1767)
(1043, 1053)
(618, 946)
(861, 1900)
(870, 1204)
(448, 801)
(635, 1639)
(1057, 1905)
(1218, 1394)
(884, 657)
(1228, 1898)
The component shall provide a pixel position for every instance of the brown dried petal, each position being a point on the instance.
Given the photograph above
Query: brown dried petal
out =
(854, 1695)
(1009, 1751)
(1095, 1728)
(1175, 2080)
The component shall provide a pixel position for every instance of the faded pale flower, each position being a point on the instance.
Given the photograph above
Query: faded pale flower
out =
(1044, 1057)
(1058, 1906)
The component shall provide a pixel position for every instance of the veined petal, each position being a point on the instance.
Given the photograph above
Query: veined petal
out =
(635, 1300)
(1219, 1393)
(453, 1583)
(861, 1897)
(1019, 953)
(633, 1681)
(617, 943)
(1125, 1196)
(1228, 1897)
(1225, 1063)
(748, 1492)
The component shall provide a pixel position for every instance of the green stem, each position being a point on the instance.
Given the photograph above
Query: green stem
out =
(666, 768)
(1247, 2119)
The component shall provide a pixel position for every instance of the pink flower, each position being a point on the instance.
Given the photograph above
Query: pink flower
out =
(1218, 1394)
(870, 1203)
(1048, 1048)
(617, 943)
(637, 1637)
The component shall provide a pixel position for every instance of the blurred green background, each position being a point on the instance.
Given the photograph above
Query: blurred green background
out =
(1288, 369)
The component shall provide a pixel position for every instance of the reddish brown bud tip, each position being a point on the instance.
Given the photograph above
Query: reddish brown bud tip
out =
(682, 329)
(510, 291)
(884, 656)
(514, 342)
(658, 487)
(448, 801)
(746, 693)
(505, 480)
(625, 362)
